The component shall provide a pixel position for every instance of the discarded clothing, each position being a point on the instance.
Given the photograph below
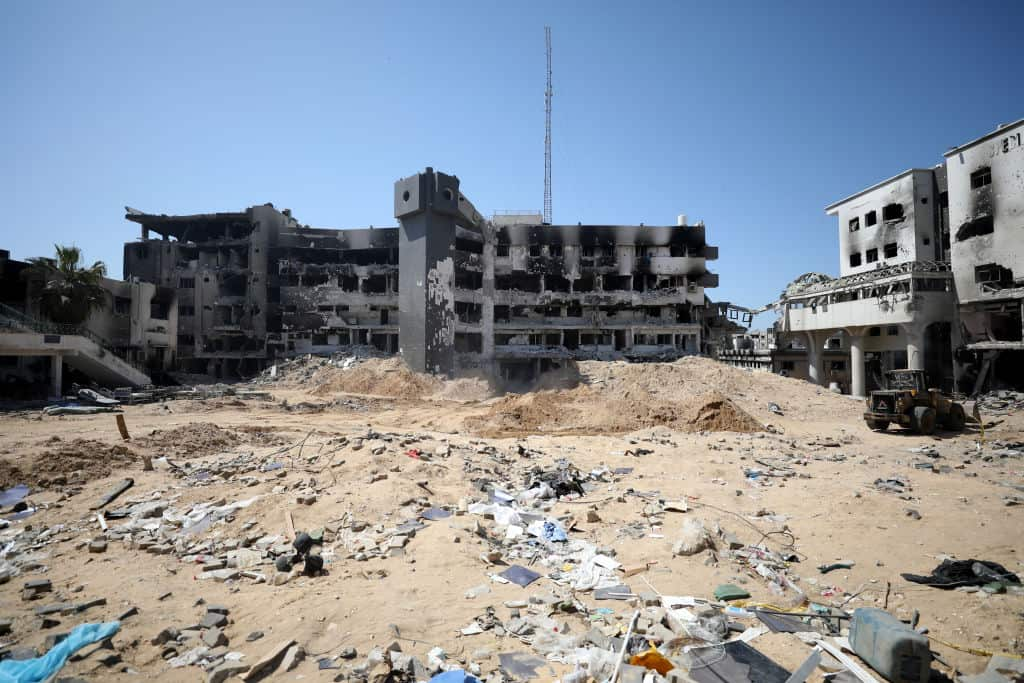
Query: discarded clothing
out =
(42, 668)
(954, 573)
(549, 529)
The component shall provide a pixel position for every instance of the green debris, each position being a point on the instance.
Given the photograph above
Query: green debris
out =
(728, 591)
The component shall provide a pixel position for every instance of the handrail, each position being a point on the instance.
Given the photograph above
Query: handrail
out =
(16, 319)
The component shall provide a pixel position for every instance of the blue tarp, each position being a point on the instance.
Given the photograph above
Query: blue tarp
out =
(42, 668)
(454, 676)
(13, 495)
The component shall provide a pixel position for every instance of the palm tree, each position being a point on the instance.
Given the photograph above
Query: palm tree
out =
(64, 292)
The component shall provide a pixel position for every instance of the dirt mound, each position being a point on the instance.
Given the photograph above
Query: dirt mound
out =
(70, 462)
(465, 389)
(586, 410)
(375, 376)
(205, 438)
(691, 394)
(713, 412)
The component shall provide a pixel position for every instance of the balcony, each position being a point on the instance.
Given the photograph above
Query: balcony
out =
(895, 309)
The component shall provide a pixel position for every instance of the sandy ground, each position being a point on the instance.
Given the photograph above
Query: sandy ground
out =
(829, 506)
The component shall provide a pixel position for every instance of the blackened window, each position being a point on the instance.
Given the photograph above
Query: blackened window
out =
(855, 224)
(871, 255)
(890, 250)
(892, 212)
(981, 178)
(855, 259)
(870, 218)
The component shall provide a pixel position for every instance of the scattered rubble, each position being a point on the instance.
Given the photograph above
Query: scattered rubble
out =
(268, 550)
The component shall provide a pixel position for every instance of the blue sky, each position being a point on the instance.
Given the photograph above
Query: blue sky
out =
(749, 116)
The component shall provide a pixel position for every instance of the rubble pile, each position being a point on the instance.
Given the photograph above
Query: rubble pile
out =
(1002, 402)
(66, 463)
(204, 438)
(315, 544)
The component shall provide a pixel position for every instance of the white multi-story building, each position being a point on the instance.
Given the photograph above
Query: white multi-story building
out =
(892, 305)
(986, 215)
(931, 275)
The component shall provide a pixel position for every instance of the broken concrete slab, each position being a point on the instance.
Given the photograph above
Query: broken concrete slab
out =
(269, 662)
(114, 493)
(225, 671)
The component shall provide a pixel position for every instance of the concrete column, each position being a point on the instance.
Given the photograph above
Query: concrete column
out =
(487, 314)
(56, 375)
(915, 348)
(857, 384)
(815, 365)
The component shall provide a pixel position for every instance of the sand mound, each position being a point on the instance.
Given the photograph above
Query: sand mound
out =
(465, 389)
(692, 394)
(713, 412)
(206, 438)
(376, 376)
(594, 411)
(71, 462)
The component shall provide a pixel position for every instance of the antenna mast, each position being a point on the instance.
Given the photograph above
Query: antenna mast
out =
(547, 133)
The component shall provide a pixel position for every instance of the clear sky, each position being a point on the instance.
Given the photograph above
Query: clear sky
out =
(748, 116)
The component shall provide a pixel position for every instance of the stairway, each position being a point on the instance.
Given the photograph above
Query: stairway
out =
(23, 335)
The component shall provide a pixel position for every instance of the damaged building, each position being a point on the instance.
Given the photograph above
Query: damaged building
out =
(129, 341)
(892, 304)
(448, 288)
(255, 285)
(525, 296)
(926, 262)
(986, 217)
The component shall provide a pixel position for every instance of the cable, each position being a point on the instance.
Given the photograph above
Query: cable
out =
(973, 650)
(790, 546)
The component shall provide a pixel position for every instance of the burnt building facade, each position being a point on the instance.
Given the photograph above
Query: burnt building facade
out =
(986, 216)
(255, 285)
(448, 288)
(931, 266)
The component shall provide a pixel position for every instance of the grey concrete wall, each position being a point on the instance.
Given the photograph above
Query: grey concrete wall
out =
(427, 207)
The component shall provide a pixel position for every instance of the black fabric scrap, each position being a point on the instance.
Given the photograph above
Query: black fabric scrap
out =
(955, 573)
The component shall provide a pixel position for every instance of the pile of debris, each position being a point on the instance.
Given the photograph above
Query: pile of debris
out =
(300, 369)
(1002, 402)
(805, 281)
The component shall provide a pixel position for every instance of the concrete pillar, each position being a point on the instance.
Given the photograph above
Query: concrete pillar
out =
(487, 313)
(815, 364)
(857, 383)
(56, 375)
(915, 348)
